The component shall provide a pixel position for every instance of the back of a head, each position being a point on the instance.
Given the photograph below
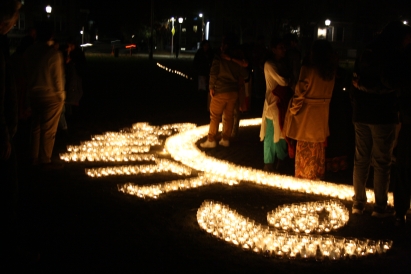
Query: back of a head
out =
(44, 31)
(8, 8)
(323, 58)
(393, 34)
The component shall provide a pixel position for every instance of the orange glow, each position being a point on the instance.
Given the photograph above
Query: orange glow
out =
(131, 46)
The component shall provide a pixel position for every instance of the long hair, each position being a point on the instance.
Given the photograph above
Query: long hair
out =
(323, 58)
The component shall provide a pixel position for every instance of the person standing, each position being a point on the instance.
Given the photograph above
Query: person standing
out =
(45, 82)
(377, 79)
(276, 101)
(402, 166)
(307, 116)
(9, 12)
(224, 89)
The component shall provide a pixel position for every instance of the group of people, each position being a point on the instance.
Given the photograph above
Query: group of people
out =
(36, 82)
(296, 111)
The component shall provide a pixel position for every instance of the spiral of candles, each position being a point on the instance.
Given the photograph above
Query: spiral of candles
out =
(228, 225)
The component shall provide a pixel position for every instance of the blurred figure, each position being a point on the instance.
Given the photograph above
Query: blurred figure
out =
(277, 96)
(202, 64)
(75, 69)
(377, 80)
(45, 81)
(402, 164)
(224, 82)
(18, 68)
(259, 56)
(307, 116)
(293, 57)
(340, 143)
(9, 13)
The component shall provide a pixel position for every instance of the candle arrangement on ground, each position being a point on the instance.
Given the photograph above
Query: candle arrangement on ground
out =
(174, 71)
(162, 165)
(228, 225)
(319, 217)
(182, 147)
(154, 191)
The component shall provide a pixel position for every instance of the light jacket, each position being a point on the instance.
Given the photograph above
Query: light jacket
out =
(307, 115)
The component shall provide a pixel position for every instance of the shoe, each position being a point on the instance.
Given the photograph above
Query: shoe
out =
(379, 213)
(268, 167)
(224, 143)
(357, 209)
(208, 144)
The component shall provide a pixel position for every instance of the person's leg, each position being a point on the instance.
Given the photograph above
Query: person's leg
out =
(383, 144)
(362, 157)
(62, 122)
(35, 131)
(269, 148)
(48, 124)
(230, 99)
(217, 105)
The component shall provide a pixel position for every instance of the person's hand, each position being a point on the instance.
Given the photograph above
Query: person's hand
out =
(355, 82)
(5, 151)
(225, 56)
(212, 93)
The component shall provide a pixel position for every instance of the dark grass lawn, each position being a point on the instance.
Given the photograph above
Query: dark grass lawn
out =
(78, 224)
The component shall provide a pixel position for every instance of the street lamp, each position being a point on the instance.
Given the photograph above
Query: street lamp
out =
(172, 33)
(327, 22)
(180, 20)
(48, 10)
(202, 26)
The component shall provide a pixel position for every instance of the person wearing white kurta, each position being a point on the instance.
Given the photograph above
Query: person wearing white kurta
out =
(275, 145)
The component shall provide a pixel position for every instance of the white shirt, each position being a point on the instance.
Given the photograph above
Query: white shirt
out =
(270, 110)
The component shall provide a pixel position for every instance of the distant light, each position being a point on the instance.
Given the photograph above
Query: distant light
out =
(321, 33)
(132, 36)
(180, 20)
(86, 45)
(48, 9)
(327, 22)
(201, 15)
(405, 23)
(131, 46)
(81, 32)
(96, 37)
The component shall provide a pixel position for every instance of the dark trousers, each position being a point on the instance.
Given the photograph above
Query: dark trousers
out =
(402, 171)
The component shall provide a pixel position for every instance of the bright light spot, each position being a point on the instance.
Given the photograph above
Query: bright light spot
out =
(86, 45)
(48, 9)
(327, 22)
(81, 32)
(201, 15)
(405, 23)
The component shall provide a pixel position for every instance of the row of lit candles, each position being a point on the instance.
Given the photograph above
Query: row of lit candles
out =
(226, 224)
(161, 165)
(182, 147)
(174, 71)
(126, 145)
(154, 191)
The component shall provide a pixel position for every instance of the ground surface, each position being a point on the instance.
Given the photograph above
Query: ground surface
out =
(79, 224)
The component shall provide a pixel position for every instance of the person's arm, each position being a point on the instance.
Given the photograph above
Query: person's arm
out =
(270, 72)
(300, 90)
(214, 71)
(241, 62)
(56, 65)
